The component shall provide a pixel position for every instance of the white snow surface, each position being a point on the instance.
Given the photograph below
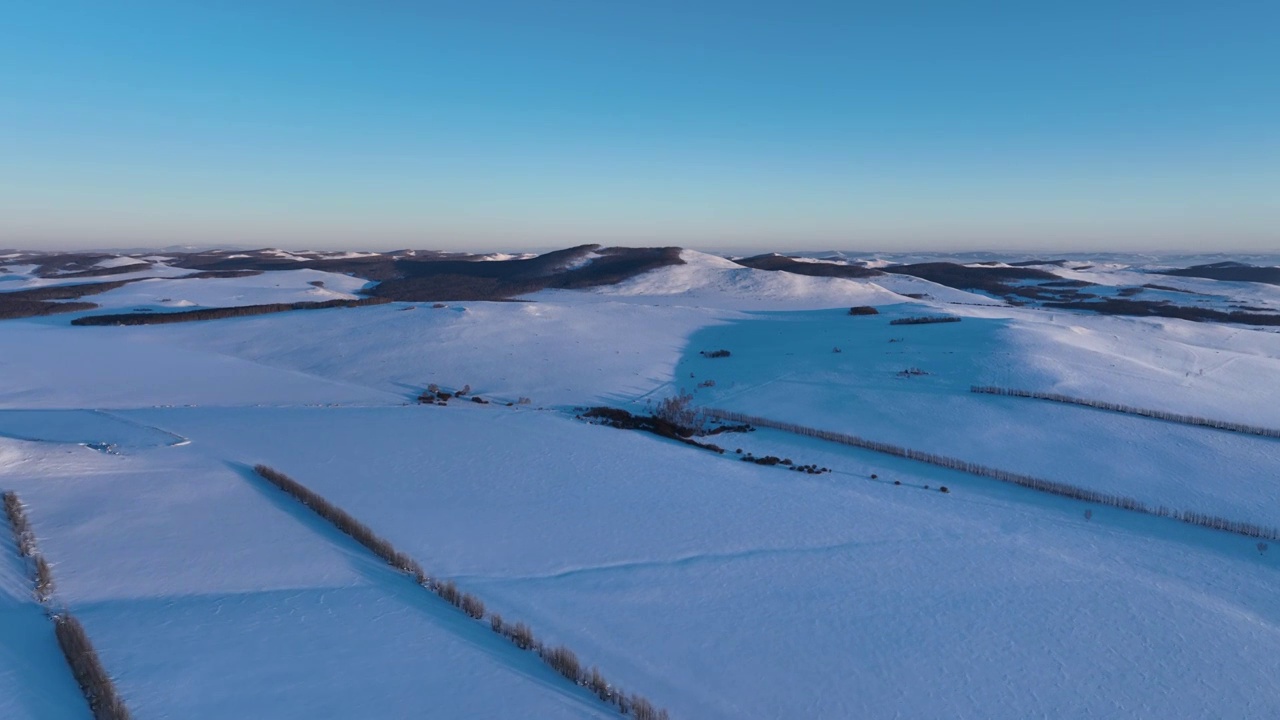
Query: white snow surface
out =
(717, 588)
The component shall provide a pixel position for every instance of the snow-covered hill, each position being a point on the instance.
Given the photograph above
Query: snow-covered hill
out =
(717, 588)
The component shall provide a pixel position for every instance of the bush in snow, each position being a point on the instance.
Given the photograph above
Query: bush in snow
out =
(679, 411)
(472, 606)
(564, 661)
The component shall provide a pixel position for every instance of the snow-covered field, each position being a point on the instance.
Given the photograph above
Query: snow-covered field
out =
(717, 588)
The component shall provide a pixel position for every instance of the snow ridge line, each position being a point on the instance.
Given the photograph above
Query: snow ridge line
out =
(98, 688)
(1129, 410)
(1052, 487)
(561, 659)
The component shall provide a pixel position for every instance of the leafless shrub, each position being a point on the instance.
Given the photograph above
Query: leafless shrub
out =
(1088, 514)
(472, 606)
(450, 593)
(679, 411)
(44, 579)
(524, 401)
(642, 709)
(1262, 548)
(564, 661)
(522, 636)
(596, 683)
(95, 683)
(497, 625)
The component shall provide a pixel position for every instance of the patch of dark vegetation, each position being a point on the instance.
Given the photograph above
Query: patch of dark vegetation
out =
(1231, 271)
(863, 310)
(15, 309)
(1066, 284)
(993, 280)
(1130, 291)
(221, 313)
(62, 264)
(925, 320)
(64, 292)
(36, 302)
(1130, 410)
(98, 688)
(107, 271)
(573, 268)
(559, 658)
(1148, 308)
(720, 429)
(1029, 263)
(911, 372)
(623, 420)
(1052, 487)
(715, 353)
(773, 261)
(772, 460)
(1166, 288)
(218, 274)
(916, 296)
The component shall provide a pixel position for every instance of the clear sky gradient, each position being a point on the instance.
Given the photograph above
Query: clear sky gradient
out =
(496, 124)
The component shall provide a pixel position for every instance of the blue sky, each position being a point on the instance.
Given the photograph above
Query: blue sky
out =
(493, 124)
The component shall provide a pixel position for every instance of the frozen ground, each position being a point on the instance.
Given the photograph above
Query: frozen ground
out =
(719, 589)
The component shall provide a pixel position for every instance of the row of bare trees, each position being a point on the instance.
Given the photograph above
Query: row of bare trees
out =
(162, 318)
(1049, 486)
(925, 320)
(1130, 410)
(97, 686)
(560, 659)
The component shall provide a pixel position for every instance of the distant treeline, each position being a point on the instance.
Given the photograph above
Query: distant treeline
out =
(560, 659)
(1130, 410)
(35, 302)
(220, 313)
(1147, 308)
(1049, 486)
(96, 685)
(925, 320)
